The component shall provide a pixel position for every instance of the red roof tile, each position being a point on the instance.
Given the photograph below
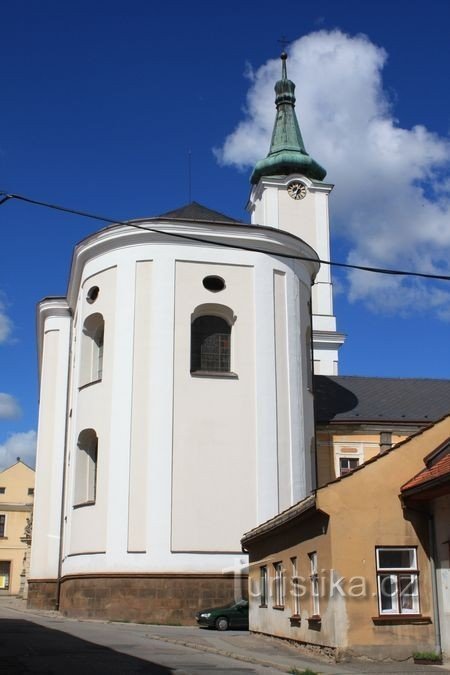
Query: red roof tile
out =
(438, 470)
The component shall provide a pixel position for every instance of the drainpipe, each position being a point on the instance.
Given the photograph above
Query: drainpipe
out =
(437, 624)
(434, 592)
(311, 347)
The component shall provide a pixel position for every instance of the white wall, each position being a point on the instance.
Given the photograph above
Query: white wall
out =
(442, 530)
(186, 464)
(54, 369)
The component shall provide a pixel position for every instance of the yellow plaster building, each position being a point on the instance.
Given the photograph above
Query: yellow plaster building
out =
(352, 568)
(16, 506)
(359, 417)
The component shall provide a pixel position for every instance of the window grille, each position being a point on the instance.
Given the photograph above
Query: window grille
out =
(210, 344)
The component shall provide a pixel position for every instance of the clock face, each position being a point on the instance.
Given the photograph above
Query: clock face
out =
(297, 190)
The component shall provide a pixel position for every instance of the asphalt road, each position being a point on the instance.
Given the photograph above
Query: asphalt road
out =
(56, 646)
(33, 642)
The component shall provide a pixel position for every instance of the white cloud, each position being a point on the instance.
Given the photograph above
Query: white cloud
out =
(9, 407)
(21, 445)
(392, 197)
(6, 324)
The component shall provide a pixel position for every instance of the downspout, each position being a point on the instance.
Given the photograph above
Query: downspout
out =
(316, 465)
(434, 592)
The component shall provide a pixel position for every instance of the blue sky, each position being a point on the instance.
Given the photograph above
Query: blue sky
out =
(102, 101)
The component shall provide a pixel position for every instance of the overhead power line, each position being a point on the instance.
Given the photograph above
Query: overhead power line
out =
(4, 197)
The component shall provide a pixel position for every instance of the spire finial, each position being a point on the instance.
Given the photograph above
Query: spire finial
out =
(287, 152)
(283, 58)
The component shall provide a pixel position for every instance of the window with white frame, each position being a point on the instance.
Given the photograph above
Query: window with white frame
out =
(314, 577)
(86, 468)
(295, 587)
(349, 454)
(263, 586)
(347, 464)
(2, 525)
(92, 349)
(278, 584)
(397, 580)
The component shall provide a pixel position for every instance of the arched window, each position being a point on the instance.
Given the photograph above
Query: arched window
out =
(86, 468)
(98, 351)
(92, 349)
(210, 344)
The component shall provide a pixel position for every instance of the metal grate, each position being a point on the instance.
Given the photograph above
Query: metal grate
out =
(210, 345)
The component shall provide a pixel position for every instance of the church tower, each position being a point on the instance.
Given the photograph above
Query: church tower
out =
(288, 193)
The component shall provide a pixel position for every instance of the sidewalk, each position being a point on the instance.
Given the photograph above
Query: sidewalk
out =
(276, 653)
(246, 647)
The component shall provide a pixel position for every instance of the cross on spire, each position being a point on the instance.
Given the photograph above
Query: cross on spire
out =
(284, 42)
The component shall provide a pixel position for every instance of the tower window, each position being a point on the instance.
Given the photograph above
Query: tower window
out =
(214, 284)
(210, 344)
(86, 468)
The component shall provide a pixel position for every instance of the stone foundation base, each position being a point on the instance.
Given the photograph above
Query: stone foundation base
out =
(42, 594)
(152, 598)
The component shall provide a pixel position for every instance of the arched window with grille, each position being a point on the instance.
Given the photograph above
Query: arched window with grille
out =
(210, 344)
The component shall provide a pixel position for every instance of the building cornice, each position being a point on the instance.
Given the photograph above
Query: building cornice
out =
(49, 307)
(12, 506)
(267, 240)
(325, 338)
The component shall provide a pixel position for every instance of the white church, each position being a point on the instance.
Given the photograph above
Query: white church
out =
(176, 407)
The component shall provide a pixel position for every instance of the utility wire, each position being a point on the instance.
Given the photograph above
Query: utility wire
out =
(365, 268)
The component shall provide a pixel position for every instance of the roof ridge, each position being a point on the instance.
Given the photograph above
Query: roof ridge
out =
(196, 211)
(387, 377)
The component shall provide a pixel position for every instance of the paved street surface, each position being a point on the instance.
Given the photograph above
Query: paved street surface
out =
(33, 641)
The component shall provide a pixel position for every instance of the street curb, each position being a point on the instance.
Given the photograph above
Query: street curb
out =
(223, 652)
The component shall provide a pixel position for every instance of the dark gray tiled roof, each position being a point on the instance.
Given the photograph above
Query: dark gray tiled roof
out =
(344, 398)
(196, 211)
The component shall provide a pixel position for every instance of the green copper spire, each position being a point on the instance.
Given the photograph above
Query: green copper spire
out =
(287, 152)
